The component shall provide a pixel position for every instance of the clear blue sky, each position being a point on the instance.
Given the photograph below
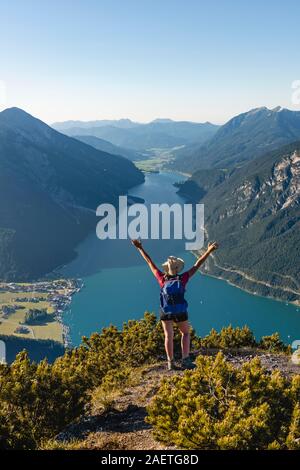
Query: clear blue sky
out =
(183, 59)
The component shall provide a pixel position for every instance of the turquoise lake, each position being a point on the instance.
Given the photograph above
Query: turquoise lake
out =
(119, 286)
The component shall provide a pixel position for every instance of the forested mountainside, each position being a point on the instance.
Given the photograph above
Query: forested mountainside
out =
(105, 146)
(241, 139)
(37, 349)
(254, 213)
(50, 186)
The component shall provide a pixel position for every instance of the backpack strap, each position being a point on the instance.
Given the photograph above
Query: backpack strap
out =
(167, 277)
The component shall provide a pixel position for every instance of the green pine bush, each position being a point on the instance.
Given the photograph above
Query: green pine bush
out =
(218, 406)
(274, 344)
(211, 408)
(228, 338)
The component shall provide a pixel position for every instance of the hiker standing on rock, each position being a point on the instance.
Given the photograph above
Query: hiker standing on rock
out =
(173, 306)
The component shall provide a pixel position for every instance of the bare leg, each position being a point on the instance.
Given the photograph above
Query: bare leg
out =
(169, 336)
(185, 337)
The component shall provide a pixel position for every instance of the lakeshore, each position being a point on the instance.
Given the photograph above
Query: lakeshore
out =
(251, 289)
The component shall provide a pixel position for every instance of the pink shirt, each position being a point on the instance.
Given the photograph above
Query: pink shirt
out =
(160, 276)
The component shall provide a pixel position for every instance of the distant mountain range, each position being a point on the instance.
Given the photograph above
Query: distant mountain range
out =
(50, 186)
(160, 133)
(241, 139)
(120, 123)
(254, 213)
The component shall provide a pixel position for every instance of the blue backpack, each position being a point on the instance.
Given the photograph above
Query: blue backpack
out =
(172, 295)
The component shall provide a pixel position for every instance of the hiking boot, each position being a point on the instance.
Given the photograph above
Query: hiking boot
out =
(171, 365)
(187, 363)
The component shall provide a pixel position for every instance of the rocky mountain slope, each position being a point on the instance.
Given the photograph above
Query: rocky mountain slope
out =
(50, 186)
(254, 213)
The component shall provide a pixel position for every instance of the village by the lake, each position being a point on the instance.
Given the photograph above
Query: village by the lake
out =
(35, 310)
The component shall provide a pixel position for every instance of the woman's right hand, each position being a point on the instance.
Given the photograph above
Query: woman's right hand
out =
(137, 243)
(212, 247)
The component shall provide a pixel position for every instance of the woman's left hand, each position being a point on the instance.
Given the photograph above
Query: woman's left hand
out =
(137, 243)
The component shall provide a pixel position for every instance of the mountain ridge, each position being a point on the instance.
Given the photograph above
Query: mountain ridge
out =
(243, 138)
(122, 123)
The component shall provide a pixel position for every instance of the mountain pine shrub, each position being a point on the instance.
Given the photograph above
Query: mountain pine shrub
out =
(274, 344)
(38, 400)
(228, 338)
(218, 406)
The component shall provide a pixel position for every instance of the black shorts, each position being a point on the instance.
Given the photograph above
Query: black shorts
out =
(176, 317)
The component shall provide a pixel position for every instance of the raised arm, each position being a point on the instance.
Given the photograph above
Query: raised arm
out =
(138, 245)
(211, 247)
